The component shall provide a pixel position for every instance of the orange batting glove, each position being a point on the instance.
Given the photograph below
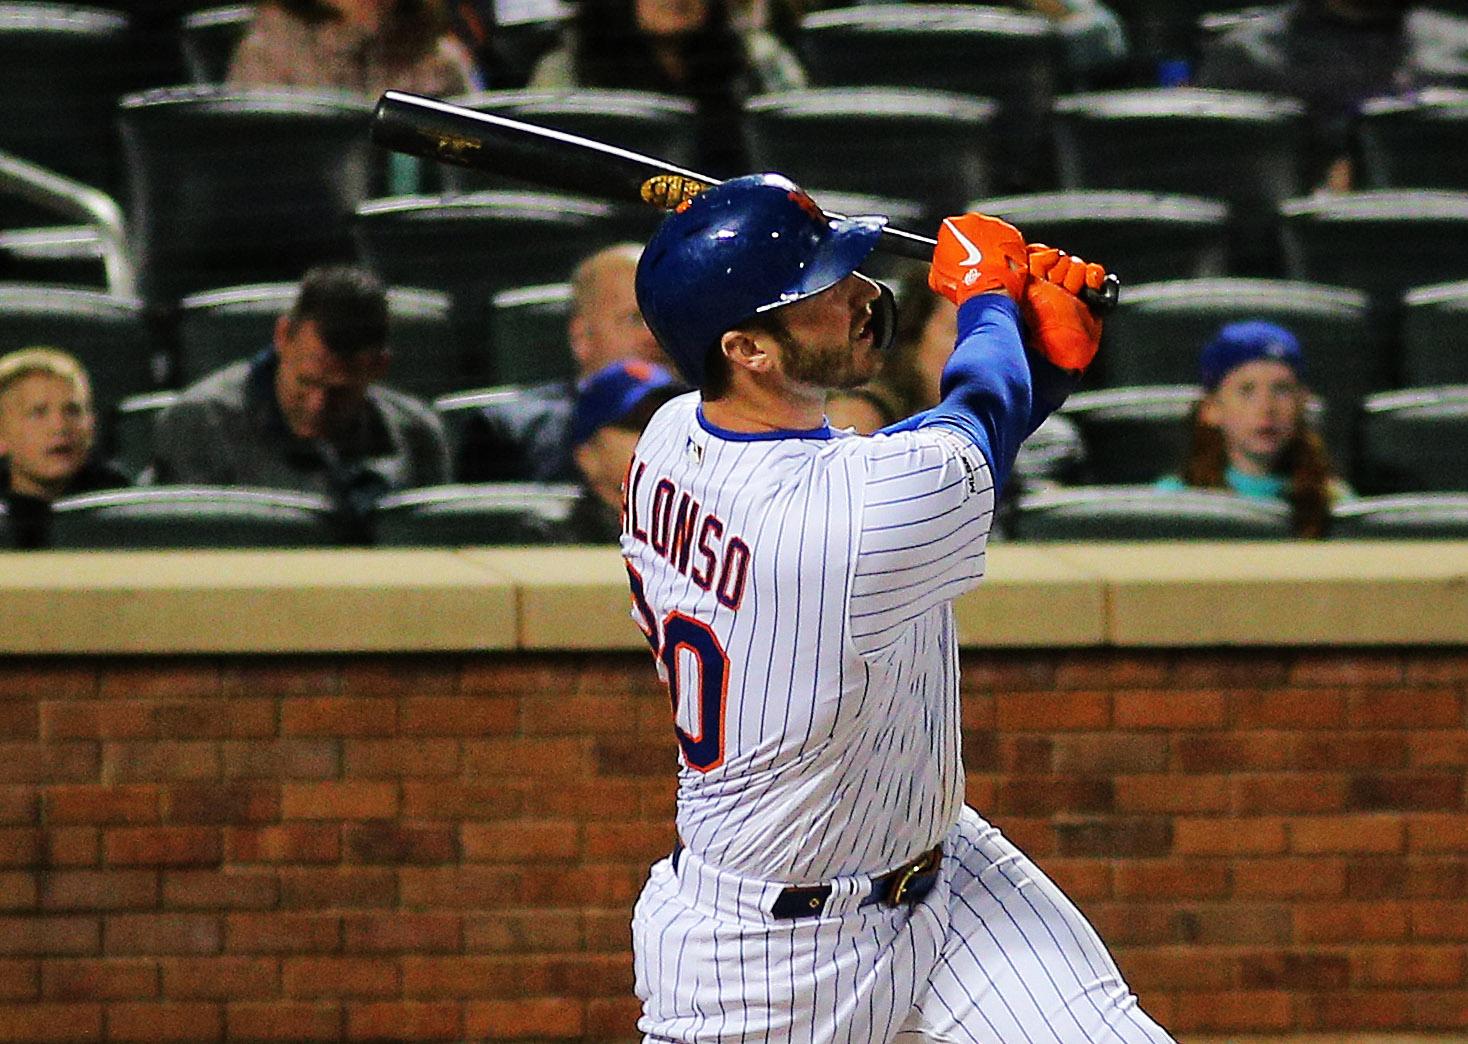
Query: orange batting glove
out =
(1061, 327)
(977, 254)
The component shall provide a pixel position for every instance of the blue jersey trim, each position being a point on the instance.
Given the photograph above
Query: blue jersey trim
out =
(823, 432)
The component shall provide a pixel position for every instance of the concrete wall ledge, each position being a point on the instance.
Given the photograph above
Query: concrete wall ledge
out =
(1341, 593)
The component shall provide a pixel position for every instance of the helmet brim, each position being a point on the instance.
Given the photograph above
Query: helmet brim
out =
(849, 242)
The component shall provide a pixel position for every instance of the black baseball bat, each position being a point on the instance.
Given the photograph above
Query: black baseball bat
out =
(448, 133)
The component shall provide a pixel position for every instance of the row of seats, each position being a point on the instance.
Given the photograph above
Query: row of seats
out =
(458, 516)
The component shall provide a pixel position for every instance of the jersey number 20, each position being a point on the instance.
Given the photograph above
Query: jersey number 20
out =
(680, 639)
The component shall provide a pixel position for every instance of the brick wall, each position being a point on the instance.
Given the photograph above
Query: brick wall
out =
(442, 848)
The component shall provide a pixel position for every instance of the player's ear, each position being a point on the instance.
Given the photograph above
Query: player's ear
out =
(1209, 411)
(745, 351)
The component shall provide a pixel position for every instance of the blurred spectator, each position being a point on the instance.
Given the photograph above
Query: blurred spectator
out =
(1333, 55)
(612, 407)
(362, 46)
(47, 429)
(307, 413)
(1250, 433)
(683, 47)
(529, 438)
(1095, 40)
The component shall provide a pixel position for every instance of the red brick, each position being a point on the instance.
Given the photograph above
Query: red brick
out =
(514, 841)
(1254, 668)
(1110, 669)
(1447, 748)
(62, 936)
(1423, 791)
(1433, 919)
(296, 676)
(1169, 709)
(347, 799)
(645, 841)
(1282, 793)
(471, 799)
(1295, 971)
(609, 931)
(291, 933)
(66, 678)
(1172, 793)
(595, 799)
(1385, 877)
(160, 761)
(1167, 878)
(580, 974)
(160, 679)
(1288, 709)
(1338, 668)
(1081, 879)
(542, 757)
(1439, 832)
(1052, 711)
(38, 1023)
(93, 980)
(976, 711)
(1177, 968)
(398, 931)
(1349, 922)
(317, 977)
(559, 715)
(513, 674)
(543, 931)
(404, 1020)
(162, 934)
(1398, 967)
(17, 890)
(1358, 833)
(609, 1017)
(1041, 837)
(228, 889)
(163, 846)
(74, 846)
(99, 890)
(282, 759)
(338, 886)
(284, 843)
(233, 718)
(171, 1020)
(20, 806)
(1337, 752)
(1115, 836)
(1441, 1010)
(1265, 836)
(298, 1022)
(221, 804)
(103, 805)
(90, 719)
(457, 716)
(390, 842)
(22, 846)
(338, 716)
(630, 754)
(20, 979)
(1233, 1011)
(1024, 752)
(1351, 1010)
(495, 886)
(1436, 665)
(48, 762)
(443, 978)
(1289, 878)
(1041, 796)
(1109, 753)
(1405, 707)
(220, 978)
(396, 758)
(426, 675)
(548, 1018)
(1232, 752)
(980, 792)
(1008, 670)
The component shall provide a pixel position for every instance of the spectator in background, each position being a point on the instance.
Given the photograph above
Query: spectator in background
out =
(529, 437)
(1096, 43)
(683, 47)
(47, 430)
(612, 407)
(361, 46)
(1250, 434)
(306, 413)
(1333, 55)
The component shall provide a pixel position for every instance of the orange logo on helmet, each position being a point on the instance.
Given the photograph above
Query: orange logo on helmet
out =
(805, 203)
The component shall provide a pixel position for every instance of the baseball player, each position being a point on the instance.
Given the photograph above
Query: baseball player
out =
(795, 585)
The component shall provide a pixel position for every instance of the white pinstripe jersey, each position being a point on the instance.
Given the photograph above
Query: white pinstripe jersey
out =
(796, 589)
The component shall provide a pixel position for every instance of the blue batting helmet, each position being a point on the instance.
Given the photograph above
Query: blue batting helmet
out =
(735, 251)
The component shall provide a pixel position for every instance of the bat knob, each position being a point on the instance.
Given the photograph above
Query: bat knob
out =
(1105, 299)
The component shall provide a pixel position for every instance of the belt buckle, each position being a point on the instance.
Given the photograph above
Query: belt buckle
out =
(918, 866)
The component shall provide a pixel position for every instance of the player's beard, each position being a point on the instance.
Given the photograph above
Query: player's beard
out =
(828, 365)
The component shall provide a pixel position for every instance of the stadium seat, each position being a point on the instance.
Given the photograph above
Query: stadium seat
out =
(462, 516)
(1145, 513)
(1415, 440)
(657, 125)
(455, 409)
(1132, 434)
(219, 327)
(110, 336)
(231, 187)
(191, 517)
(1418, 141)
(1140, 236)
(80, 240)
(133, 420)
(1015, 58)
(829, 136)
(1416, 516)
(1245, 149)
(1383, 241)
(1173, 30)
(1158, 331)
(528, 335)
(1435, 335)
(208, 39)
(7, 537)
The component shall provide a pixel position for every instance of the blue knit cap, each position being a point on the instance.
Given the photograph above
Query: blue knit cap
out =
(1240, 343)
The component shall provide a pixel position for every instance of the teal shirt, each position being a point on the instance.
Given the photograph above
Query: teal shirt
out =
(1260, 487)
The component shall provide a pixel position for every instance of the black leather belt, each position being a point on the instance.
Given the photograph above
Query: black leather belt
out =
(906, 885)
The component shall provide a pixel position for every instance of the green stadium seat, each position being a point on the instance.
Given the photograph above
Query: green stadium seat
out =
(208, 40)
(1415, 440)
(456, 408)
(529, 336)
(1145, 513)
(191, 517)
(1418, 141)
(1435, 335)
(1417, 516)
(133, 422)
(1132, 435)
(470, 515)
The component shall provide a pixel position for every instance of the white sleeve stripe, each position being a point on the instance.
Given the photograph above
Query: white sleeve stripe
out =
(927, 543)
(899, 624)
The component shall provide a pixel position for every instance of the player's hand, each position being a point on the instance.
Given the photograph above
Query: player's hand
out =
(1061, 327)
(977, 254)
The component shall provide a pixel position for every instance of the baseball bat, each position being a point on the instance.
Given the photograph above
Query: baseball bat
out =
(448, 133)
